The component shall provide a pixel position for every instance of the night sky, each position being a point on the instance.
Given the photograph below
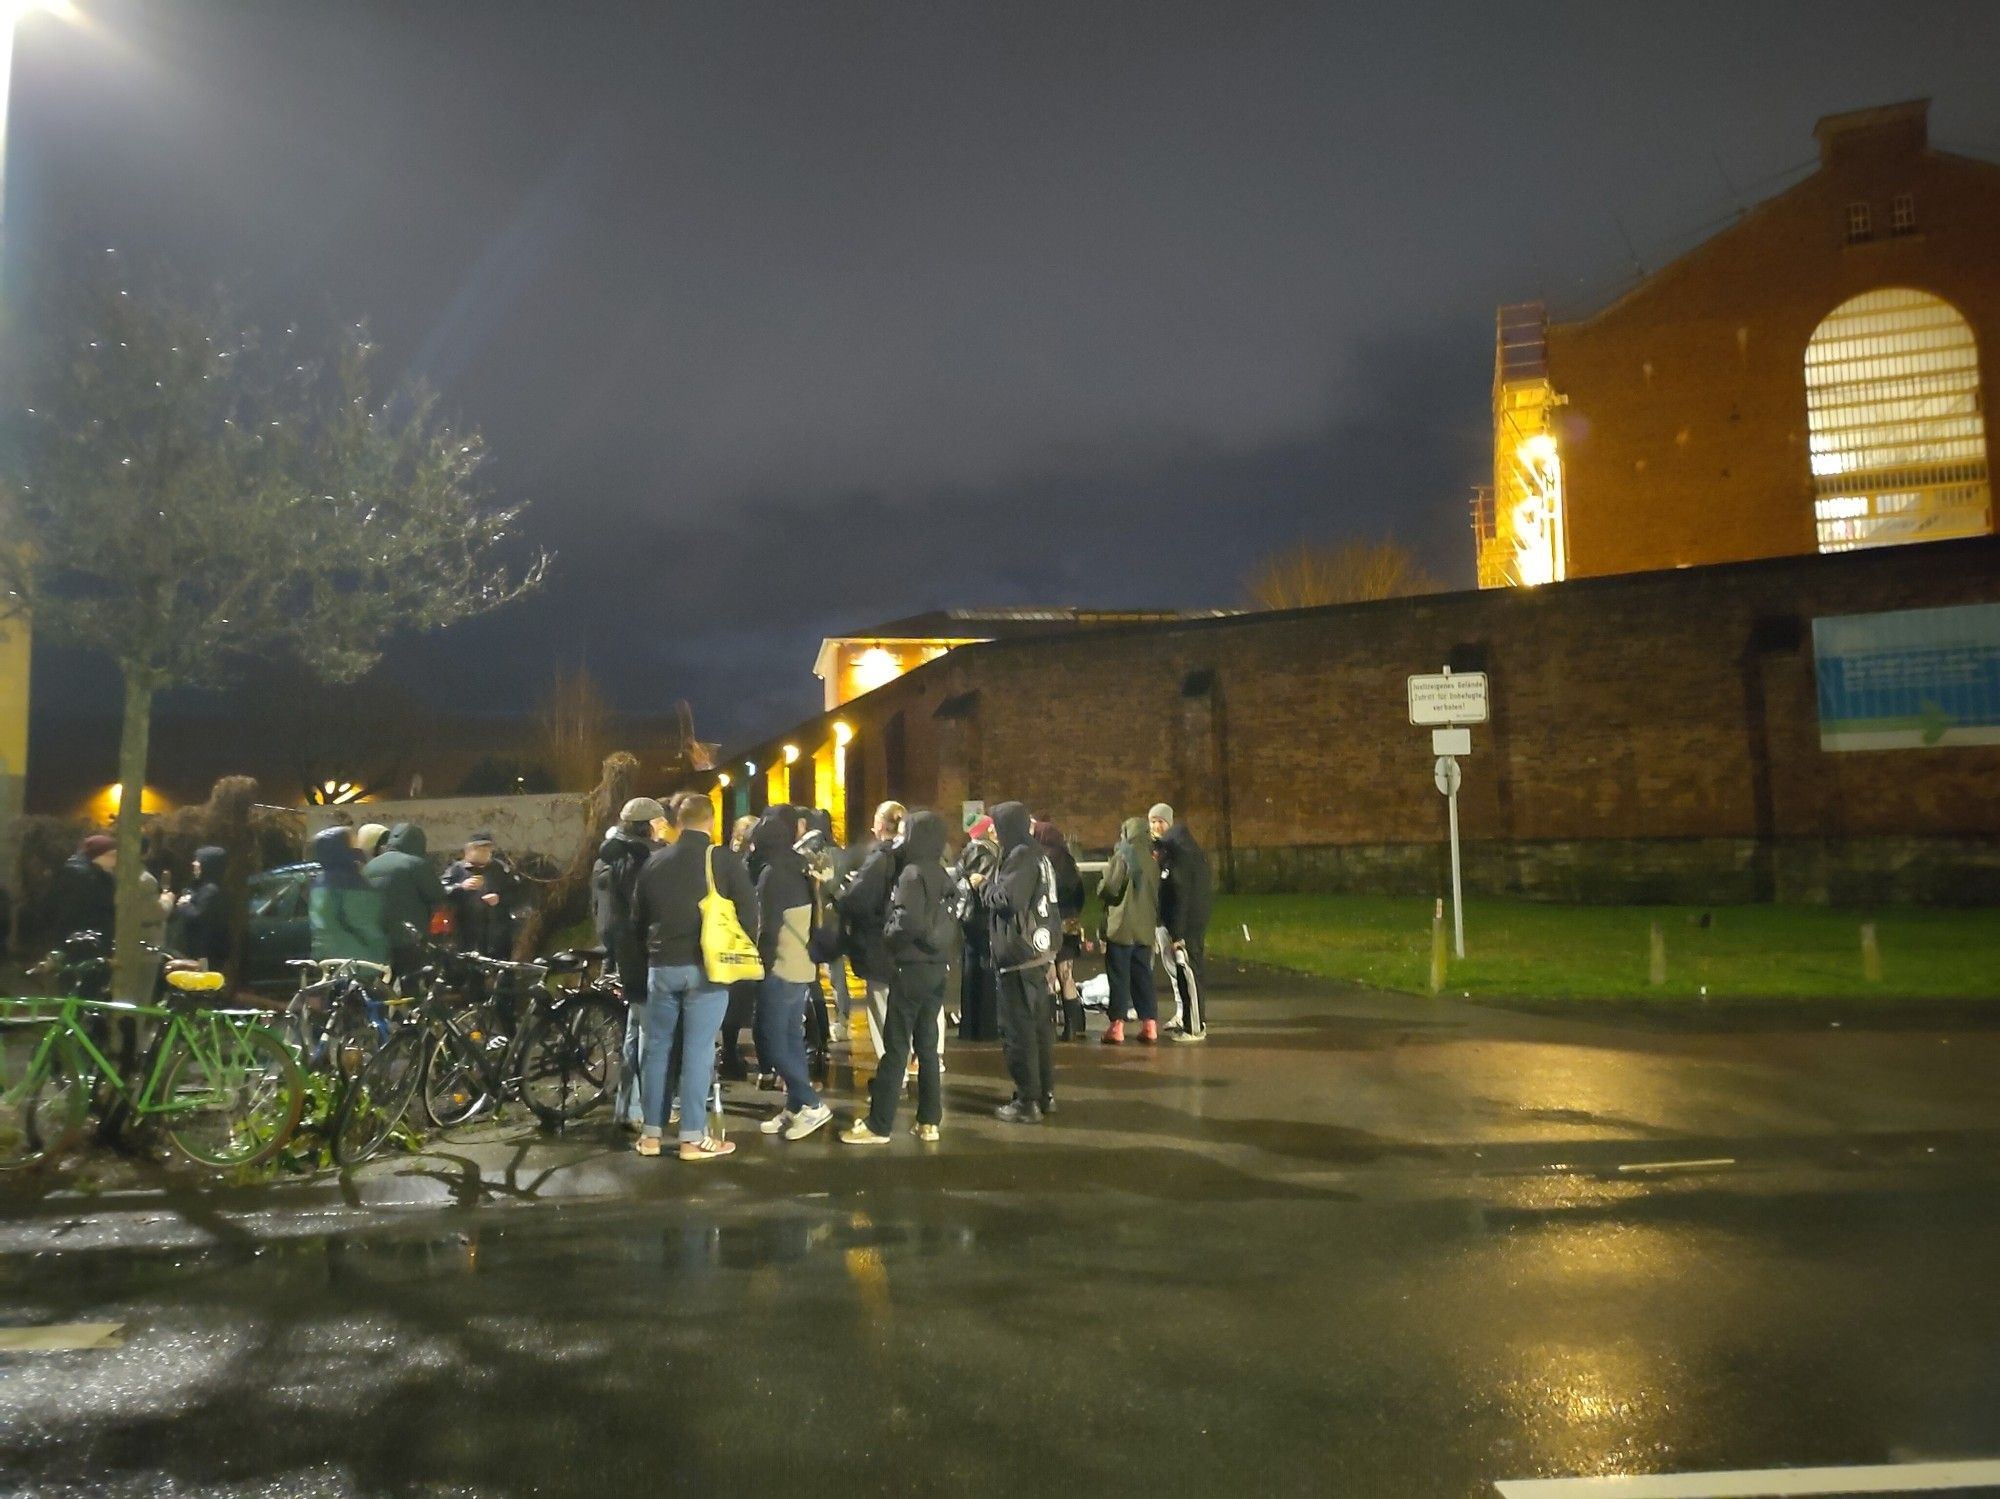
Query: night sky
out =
(794, 318)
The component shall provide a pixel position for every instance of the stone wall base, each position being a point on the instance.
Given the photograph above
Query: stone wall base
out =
(1613, 871)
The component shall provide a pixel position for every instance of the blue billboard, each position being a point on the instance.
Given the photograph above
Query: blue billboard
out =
(1915, 679)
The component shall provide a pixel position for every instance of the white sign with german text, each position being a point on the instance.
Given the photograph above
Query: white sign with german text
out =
(1448, 698)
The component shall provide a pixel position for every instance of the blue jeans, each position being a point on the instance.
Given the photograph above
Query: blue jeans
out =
(781, 1038)
(626, 1105)
(836, 973)
(681, 998)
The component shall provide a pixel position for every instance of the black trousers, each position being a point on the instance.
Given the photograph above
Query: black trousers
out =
(1129, 967)
(916, 1009)
(978, 1005)
(742, 1009)
(1027, 1026)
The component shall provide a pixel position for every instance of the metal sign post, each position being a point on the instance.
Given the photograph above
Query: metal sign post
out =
(1451, 701)
(1448, 776)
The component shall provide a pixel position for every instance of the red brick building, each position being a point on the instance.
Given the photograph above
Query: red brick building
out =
(1810, 379)
(1739, 686)
(1653, 736)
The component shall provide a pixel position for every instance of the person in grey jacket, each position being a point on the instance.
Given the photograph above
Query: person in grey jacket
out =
(1130, 893)
(786, 901)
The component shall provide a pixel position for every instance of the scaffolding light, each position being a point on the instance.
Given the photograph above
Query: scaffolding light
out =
(749, 767)
(843, 733)
(1539, 449)
(722, 779)
(791, 753)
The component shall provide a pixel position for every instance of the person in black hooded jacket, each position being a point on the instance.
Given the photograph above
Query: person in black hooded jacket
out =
(919, 935)
(640, 833)
(201, 925)
(1187, 892)
(1020, 901)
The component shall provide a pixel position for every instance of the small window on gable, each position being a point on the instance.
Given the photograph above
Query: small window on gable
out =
(1860, 223)
(1903, 214)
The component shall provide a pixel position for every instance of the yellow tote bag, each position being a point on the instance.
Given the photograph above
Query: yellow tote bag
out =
(728, 955)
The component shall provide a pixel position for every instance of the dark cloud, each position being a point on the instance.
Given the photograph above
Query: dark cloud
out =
(790, 317)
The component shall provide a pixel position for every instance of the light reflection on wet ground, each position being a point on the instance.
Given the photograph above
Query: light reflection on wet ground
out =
(1286, 1289)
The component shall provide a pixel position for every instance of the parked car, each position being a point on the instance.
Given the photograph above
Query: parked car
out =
(280, 927)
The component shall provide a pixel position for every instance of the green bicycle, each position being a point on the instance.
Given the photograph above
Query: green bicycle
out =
(226, 1091)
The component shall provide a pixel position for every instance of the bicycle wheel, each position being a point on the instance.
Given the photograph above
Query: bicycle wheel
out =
(568, 1059)
(352, 1037)
(379, 1096)
(454, 1087)
(239, 1106)
(41, 1109)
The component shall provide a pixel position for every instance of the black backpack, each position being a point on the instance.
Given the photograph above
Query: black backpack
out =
(1029, 937)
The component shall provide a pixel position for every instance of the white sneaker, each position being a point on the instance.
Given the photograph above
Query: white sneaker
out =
(839, 1031)
(776, 1124)
(807, 1121)
(674, 1113)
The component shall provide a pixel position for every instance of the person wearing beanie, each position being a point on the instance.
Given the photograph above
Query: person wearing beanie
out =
(85, 897)
(641, 832)
(484, 890)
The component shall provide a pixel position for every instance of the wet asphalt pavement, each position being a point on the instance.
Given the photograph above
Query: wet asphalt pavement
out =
(1357, 1244)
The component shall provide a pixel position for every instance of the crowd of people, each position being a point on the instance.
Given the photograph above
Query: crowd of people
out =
(375, 896)
(1003, 911)
(920, 929)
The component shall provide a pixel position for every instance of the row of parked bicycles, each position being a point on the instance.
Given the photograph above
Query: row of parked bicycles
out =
(455, 1038)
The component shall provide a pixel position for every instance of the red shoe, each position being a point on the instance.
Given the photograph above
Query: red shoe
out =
(1115, 1036)
(1149, 1032)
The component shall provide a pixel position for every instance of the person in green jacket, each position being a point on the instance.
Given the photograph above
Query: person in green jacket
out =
(346, 911)
(1131, 896)
(410, 888)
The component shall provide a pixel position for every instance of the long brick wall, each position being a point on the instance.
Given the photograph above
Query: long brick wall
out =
(1654, 736)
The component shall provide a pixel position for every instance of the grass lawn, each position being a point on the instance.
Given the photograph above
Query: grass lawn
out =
(1522, 949)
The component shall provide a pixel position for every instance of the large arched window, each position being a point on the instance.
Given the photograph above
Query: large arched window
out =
(1898, 436)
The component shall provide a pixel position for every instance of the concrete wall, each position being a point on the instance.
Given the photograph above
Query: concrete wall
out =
(1684, 436)
(549, 825)
(1654, 736)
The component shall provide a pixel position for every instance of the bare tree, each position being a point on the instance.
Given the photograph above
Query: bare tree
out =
(187, 494)
(1307, 576)
(574, 725)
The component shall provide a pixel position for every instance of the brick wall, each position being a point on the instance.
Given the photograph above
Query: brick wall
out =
(1654, 736)
(1684, 437)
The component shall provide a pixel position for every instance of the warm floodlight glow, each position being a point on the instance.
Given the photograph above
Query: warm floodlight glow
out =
(1539, 449)
(722, 779)
(843, 734)
(874, 668)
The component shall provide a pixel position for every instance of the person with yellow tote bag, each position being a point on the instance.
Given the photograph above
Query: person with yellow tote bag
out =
(695, 905)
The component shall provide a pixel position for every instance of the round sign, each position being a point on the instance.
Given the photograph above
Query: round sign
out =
(1447, 775)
